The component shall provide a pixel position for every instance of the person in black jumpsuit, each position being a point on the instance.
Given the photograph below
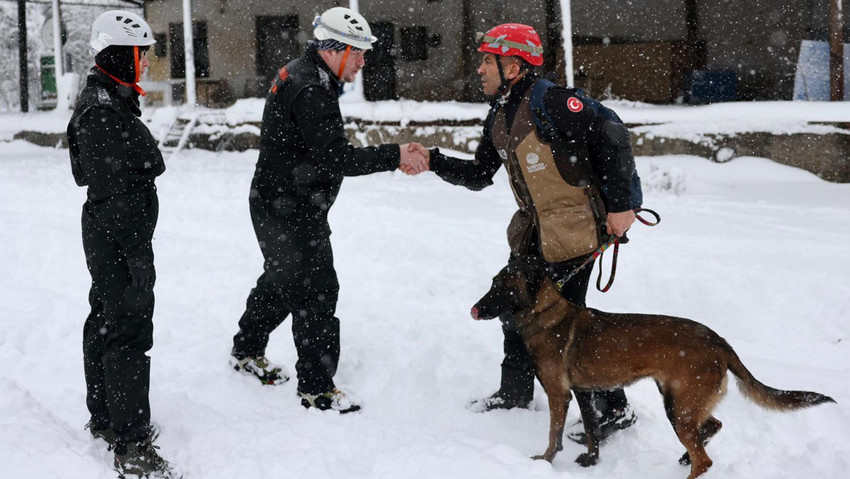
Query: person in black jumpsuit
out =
(115, 156)
(304, 156)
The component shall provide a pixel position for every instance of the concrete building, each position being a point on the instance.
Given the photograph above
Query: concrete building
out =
(649, 50)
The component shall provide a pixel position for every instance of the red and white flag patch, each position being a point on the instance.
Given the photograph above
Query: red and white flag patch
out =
(575, 105)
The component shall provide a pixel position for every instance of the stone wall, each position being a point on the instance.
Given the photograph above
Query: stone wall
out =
(826, 155)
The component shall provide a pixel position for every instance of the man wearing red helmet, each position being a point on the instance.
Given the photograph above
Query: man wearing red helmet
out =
(572, 172)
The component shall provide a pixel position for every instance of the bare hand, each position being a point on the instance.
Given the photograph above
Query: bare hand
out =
(618, 223)
(415, 158)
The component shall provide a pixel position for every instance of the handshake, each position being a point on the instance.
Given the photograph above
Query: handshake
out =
(415, 159)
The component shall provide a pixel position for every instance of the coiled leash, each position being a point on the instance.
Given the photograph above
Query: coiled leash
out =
(615, 241)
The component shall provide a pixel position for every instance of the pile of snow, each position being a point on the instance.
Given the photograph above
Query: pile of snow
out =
(688, 122)
(755, 250)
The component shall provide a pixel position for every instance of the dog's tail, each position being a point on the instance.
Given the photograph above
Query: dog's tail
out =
(766, 396)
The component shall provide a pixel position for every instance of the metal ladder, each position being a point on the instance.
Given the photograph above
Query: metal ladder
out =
(178, 134)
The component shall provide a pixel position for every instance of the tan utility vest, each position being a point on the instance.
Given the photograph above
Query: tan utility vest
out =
(555, 195)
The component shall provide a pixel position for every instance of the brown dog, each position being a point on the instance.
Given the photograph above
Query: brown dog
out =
(585, 349)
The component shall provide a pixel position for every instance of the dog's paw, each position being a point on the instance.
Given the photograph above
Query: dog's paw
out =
(685, 460)
(541, 457)
(587, 460)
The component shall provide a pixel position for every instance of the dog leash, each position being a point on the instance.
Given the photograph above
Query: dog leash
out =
(612, 241)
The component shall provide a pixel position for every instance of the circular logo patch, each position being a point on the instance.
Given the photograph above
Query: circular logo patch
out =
(503, 154)
(532, 158)
(575, 105)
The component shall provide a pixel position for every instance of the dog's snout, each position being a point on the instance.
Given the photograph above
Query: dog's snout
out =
(474, 313)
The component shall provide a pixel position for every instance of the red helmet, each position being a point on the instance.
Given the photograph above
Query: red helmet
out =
(513, 39)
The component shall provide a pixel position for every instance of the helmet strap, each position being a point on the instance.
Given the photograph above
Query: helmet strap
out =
(136, 63)
(504, 84)
(342, 63)
(134, 86)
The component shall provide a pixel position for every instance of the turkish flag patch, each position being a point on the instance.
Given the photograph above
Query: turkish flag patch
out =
(575, 105)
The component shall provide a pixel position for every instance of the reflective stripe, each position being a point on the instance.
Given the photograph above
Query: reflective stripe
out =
(495, 42)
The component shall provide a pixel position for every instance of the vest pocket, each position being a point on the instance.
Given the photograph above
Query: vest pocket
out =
(567, 232)
(519, 232)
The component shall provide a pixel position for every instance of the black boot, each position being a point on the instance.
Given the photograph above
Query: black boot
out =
(141, 460)
(516, 390)
(612, 409)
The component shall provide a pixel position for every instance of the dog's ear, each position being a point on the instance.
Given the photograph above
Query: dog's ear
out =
(534, 270)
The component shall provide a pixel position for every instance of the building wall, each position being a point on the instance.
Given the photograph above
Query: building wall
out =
(444, 75)
(761, 46)
(434, 78)
(758, 40)
(231, 33)
(642, 21)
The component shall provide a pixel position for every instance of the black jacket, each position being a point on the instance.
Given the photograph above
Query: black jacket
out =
(304, 153)
(114, 154)
(582, 128)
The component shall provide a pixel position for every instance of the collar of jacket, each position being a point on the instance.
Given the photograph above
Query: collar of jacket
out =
(510, 102)
(127, 95)
(312, 54)
(518, 90)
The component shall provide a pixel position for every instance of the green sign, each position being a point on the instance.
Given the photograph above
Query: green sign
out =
(48, 83)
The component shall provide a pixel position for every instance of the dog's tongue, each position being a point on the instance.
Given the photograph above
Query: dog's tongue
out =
(474, 313)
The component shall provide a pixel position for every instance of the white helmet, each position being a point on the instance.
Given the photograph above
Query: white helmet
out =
(119, 27)
(346, 26)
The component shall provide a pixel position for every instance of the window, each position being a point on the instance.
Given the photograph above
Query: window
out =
(414, 44)
(277, 44)
(199, 43)
(160, 48)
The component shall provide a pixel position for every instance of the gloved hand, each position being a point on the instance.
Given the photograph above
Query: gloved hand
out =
(142, 272)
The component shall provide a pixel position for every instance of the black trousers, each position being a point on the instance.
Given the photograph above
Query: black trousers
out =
(298, 279)
(117, 335)
(517, 366)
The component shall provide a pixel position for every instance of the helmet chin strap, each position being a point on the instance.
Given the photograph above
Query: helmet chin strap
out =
(136, 63)
(135, 84)
(343, 62)
(504, 88)
(504, 83)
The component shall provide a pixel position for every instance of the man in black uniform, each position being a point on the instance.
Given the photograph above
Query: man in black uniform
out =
(573, 189)
(304, 155)
(115, 156)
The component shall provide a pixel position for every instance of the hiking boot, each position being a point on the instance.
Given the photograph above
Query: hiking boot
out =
(104, 433)
(261, 368)
(141, 459)
(334, 400)
(498, 401)
(620, 419)
(516, 390)
(109, 436)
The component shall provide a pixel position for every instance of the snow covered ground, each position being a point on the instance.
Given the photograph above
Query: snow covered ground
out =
(756, 250)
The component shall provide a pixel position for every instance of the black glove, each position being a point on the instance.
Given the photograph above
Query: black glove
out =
(142, 272)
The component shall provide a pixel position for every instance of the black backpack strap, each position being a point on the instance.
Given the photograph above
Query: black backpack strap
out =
(546, 129)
